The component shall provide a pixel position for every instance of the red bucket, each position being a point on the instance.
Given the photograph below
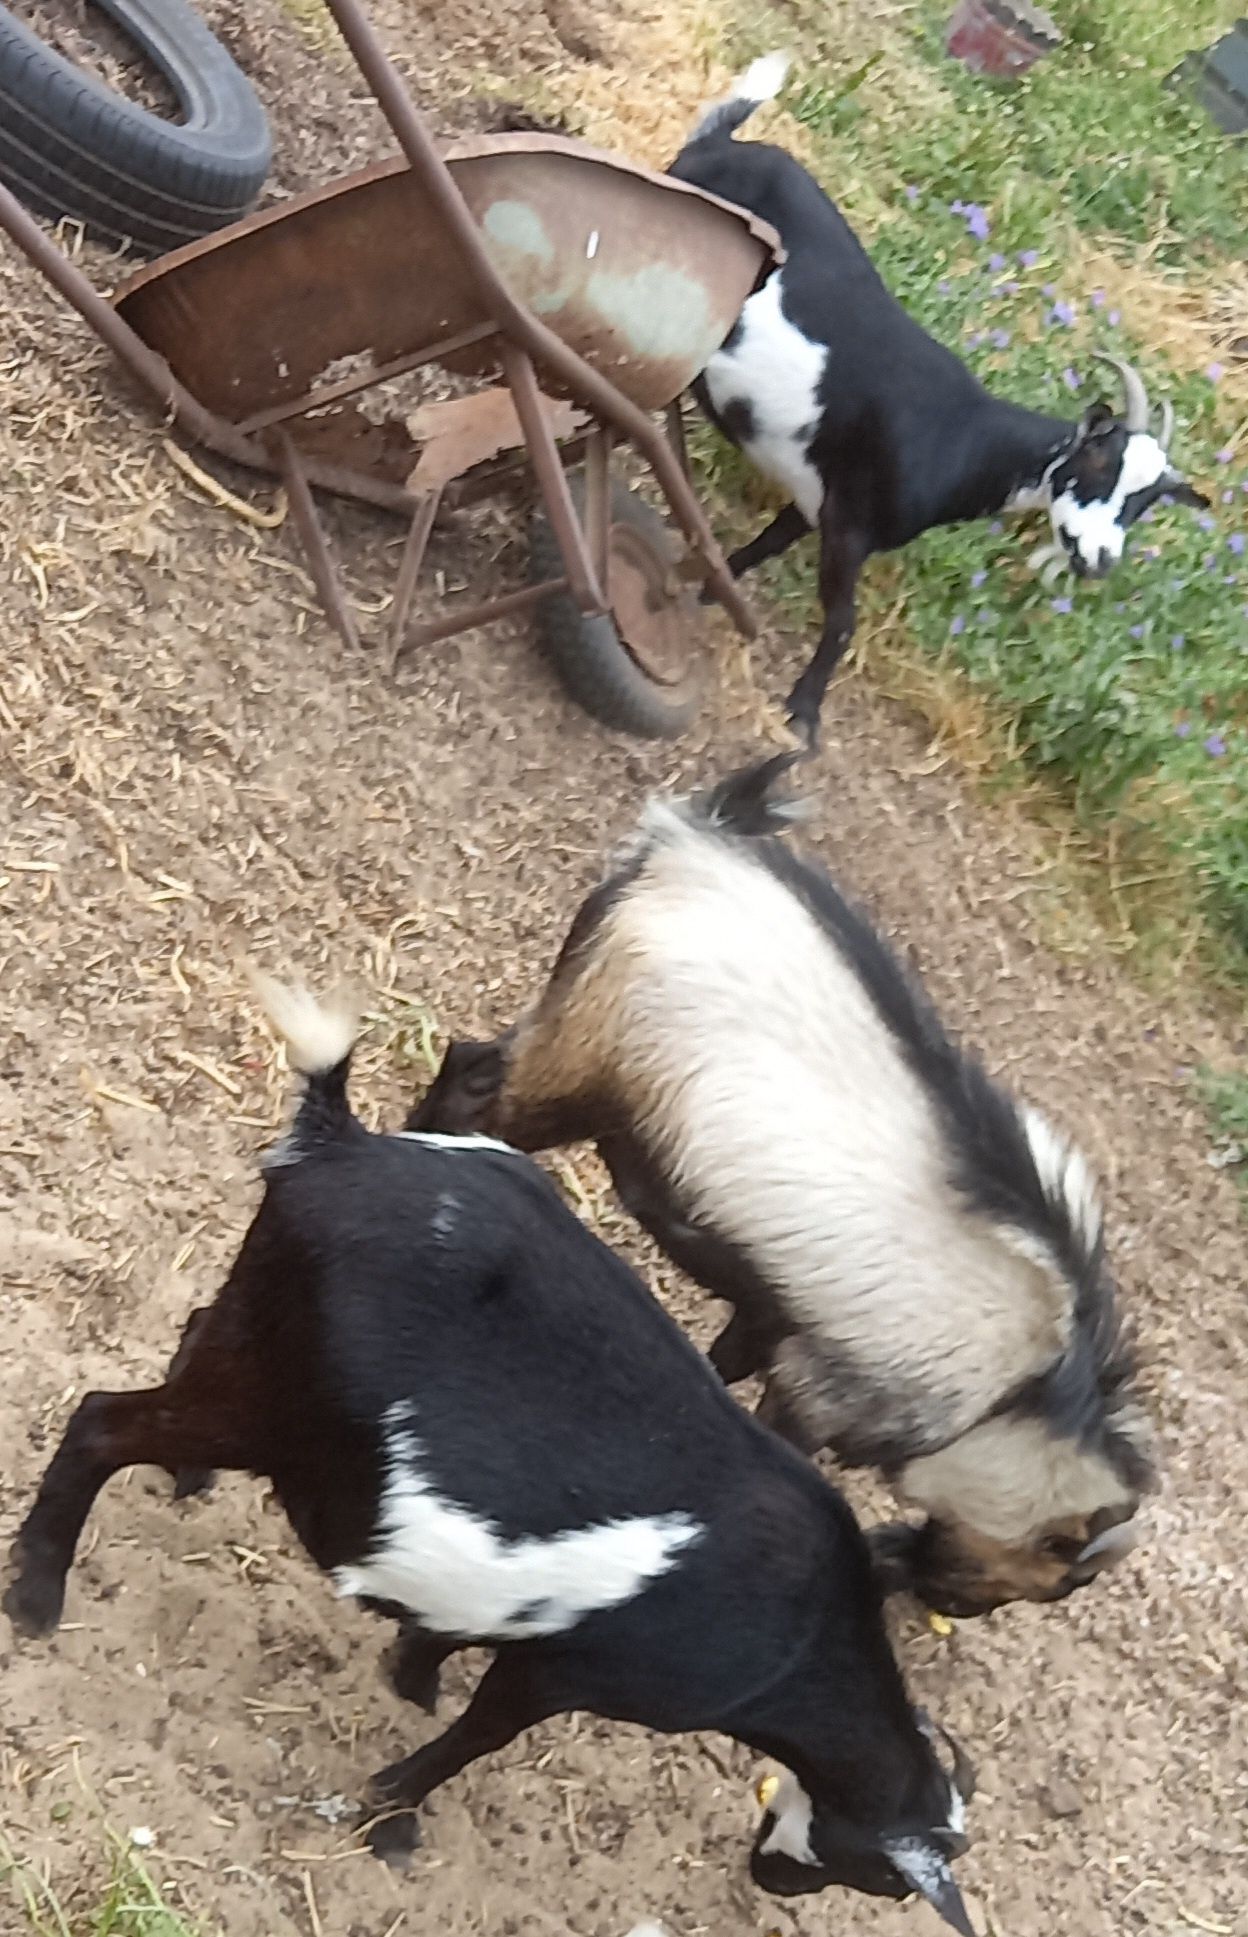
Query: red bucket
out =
(1002, 38)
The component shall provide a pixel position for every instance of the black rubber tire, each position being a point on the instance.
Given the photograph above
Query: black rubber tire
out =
(587, 654)
(69, 145)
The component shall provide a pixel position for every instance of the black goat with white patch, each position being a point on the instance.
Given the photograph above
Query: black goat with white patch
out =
(478, 1420)
(914, 1259)
(874, 430)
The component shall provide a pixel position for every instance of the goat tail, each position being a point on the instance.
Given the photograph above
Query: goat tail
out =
(745, 803)
(319, 1038)
(761, 81)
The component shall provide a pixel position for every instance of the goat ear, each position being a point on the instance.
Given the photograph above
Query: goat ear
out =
(1184, 493)
(926, 1869)
(1097, 417)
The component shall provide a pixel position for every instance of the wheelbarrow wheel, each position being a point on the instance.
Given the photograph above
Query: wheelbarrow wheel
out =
(630, 667)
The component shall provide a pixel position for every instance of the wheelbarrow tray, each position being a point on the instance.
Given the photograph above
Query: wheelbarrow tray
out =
(642, 275)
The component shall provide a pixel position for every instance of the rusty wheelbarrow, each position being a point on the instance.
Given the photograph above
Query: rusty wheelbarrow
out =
(596, 291)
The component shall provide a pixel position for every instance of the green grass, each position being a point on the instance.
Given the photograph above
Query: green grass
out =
(1131, 696)
(1225, 1096)
(132, 1903)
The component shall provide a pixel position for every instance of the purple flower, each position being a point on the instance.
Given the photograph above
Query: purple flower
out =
(976, 220)
(943, 286)
(1183, 730)
(1228, 497)
(1008, 288)
(1235, 543)
(1062, 605)
(1178, 642)
(977, 579)
(1098, 299)
(1071, 378)
(1215, 746)
(996, 527)
(1063, 313)
(1048, 289)
(1136, 631)
(1225, 456)
(1115, 317)
(1028, 258)
(912, 193)
(985, 616)
(957, 625)
(1215, 372)
(1000, 339)
(1209, 561)
(996, 263)
(1206, 521)
(956, 208)
(975, 338)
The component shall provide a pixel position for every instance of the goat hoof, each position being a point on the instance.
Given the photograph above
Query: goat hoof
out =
(393, 1838)
(34, 1600)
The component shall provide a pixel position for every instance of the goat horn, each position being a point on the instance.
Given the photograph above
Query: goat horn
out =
(1165, 429)
(1112, 1544)
(1135, 416)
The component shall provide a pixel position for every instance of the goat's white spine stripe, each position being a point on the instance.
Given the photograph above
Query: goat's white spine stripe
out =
(444, 1140)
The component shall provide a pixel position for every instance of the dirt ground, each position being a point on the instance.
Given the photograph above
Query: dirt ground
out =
(193, 771)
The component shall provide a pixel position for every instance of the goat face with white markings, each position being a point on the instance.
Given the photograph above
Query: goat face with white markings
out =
(1116, 469)
(913, 1257)
(480, 1423)
(801, 1847)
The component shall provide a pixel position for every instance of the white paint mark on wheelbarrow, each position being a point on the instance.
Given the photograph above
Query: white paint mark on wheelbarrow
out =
(591, 247)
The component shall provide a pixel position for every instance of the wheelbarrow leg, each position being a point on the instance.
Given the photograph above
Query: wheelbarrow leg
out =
(676, 433)
(583, 577)
(409, 571)
(308, 525)
(598, 502)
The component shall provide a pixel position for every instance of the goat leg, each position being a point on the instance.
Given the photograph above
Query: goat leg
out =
(840, 559)
(739, 1350)
(776, 1409)
(784, 530)
(414, 1665)
(893, 1549)
(506, 1702)
(462, 1097)
(189, 1481)
(108, 1430)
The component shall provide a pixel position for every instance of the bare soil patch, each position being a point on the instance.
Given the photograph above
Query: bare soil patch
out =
(192, 769)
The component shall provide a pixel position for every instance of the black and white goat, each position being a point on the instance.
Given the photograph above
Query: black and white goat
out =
(478, 1420)
(914, 1259)
(874, 430)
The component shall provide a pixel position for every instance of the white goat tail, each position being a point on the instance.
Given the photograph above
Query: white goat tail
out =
(761, 81)
(317, 1035)
(763, 78)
